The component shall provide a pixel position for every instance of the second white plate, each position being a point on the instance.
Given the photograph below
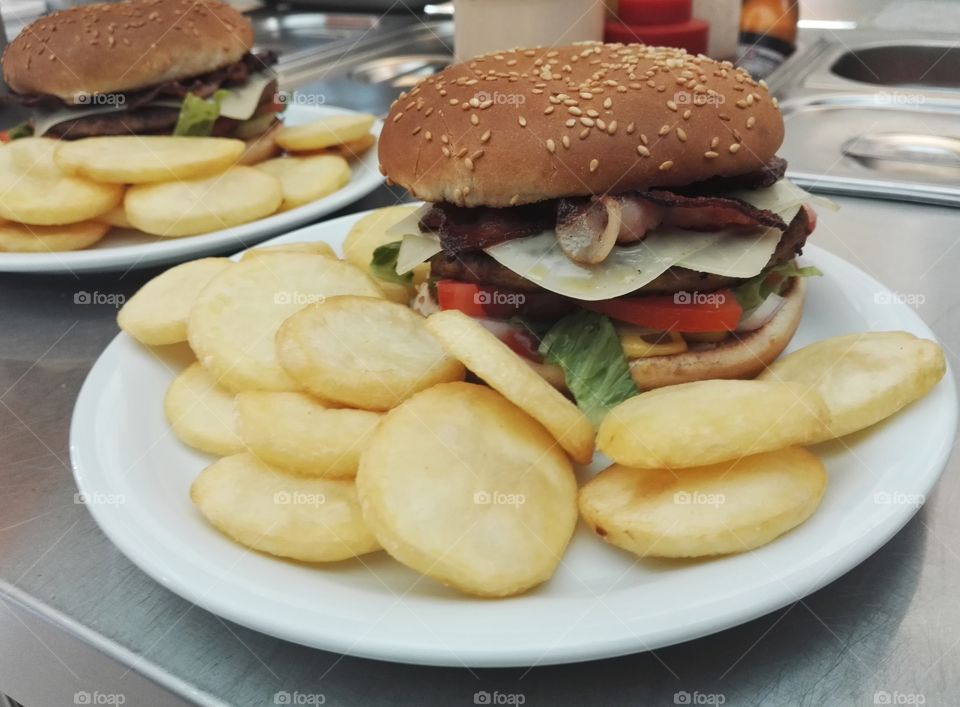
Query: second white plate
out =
(130, 250)
(602, 602)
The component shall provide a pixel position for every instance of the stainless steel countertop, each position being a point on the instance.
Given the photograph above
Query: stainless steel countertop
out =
(69, 599)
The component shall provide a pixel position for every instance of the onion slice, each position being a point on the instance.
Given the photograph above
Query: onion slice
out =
(761, 314)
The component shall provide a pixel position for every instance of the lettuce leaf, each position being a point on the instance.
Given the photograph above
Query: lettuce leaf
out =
(197, 115)
(383, 264)
(20, 130)
(753, 292)
(586, 346)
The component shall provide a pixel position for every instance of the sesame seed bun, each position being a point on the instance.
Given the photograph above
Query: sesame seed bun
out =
(527, 125)
(110, 48)
(739, 356)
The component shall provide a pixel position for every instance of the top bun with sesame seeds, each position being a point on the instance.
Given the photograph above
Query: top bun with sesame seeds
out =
(124, 46)
(527, 125)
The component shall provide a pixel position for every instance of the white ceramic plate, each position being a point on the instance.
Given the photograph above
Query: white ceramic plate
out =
(602, 602)
(126, 250)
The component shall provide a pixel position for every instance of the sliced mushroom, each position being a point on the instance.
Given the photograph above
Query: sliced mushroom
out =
(588, 231)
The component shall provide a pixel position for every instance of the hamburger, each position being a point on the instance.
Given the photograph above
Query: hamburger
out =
(616, 213)
(142, 67)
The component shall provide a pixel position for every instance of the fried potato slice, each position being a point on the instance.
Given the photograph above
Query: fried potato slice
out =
(494, 362)
(363, 352)
(864, 378)
(157, 314)
(354, 149)
(326, 132)
(368, 234)
(704, 422)
(262, 147)
(461, 485)
(311, 520)
(21, 238)
(707, 510)
(234, 321)
(142, 159)
(315, 247)
(34, 190)
(115, 217)
(298, 433)
(306, 179)
(201, 412)
(191, 206)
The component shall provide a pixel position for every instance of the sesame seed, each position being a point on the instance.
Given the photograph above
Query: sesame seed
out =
(461, 152)
(723, 116)
(428, 136)
(593, 114)
(457, 194)
(751, 121)
(612, 127)
(584, 133)
(522, 121)
(397, 117)
(477, 155)
(594, 165)
(428, 111)
(416, 130)
(469, 163)
(734, 147)
(682, 134)
(566, 141)
(737, 136)
(445, 139)
(630, 128)
(445, 151)
(474, 102)
(548, 110)
(608, 103)
(775, 101)
(454, 101)
(750, 100)
(664, 166)
(485, 137)
(686, 114)
(710, 154)
(664, 130)
(514, 199)
(589, 122)
(573, 110)
(555, 99)
(741, 103)
(671, 105)
(474, 119)
(643, 139)
(586, 95)
(643, 151)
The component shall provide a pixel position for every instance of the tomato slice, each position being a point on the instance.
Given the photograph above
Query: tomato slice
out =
(685, 311)
(499, 303)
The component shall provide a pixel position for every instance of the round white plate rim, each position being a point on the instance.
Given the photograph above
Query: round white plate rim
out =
(366, 178)
(800, 581)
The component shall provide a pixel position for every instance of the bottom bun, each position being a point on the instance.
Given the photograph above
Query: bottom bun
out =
(739, 356)
(262, 147)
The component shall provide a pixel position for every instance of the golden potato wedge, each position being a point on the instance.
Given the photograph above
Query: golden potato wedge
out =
(201, 412)
(298, 433)
(315, 247)
(260, 148)
(21, 238)
(35, 191)
(461, 485)
(234, 321)
(707, 510)
(864, 378)
(348, 150)
(503, 370)
(704, 422)
(191, 206)
(115, 217)
(306, 179)
(368, 234)
(311, 520)
(142, 159)
(157, 314)
(326, 132)
(363, 352)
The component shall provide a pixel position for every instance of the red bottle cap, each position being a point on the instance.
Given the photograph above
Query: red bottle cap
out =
(690, 35)
(654, 12)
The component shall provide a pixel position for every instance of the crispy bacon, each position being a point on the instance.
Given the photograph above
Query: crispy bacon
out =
(461, 228)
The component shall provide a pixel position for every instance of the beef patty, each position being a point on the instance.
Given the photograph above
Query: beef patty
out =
(479, 268)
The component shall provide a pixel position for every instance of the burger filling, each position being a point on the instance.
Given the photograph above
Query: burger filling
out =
(581, 286)
(238, 100)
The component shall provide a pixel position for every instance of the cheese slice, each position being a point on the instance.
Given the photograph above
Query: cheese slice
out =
(541, 260)
(240, 104)
(735, 255)
(416, 248)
